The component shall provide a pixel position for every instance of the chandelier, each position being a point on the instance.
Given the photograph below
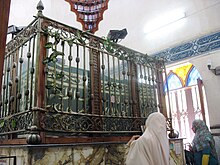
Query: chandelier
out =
(89, 12)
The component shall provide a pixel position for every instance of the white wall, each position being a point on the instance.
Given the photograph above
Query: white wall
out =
(211, 83)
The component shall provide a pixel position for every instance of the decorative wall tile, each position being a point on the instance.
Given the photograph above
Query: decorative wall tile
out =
(192, 48)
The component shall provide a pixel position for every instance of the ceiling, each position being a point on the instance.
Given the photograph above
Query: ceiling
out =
(202, 18)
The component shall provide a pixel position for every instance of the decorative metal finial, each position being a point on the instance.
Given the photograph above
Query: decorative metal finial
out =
(40, 7)
(33, 137)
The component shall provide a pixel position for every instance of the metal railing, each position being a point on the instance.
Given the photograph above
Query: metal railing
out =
(63, 80)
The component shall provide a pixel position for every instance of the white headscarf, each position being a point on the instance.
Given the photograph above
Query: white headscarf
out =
(152, 148)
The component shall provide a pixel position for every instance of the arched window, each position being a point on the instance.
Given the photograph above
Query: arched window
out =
(183, 100)
(192, 77)
(173, 82)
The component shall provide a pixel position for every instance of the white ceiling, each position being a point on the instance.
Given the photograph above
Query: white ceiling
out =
(202, 17)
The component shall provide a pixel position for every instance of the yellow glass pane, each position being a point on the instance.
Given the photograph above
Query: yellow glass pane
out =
(182, 72)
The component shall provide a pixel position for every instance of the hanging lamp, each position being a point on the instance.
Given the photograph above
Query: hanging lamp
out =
(89, 12)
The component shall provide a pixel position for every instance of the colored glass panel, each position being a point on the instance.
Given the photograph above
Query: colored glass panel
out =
(182, 72)
(192, 77)
(173, 82)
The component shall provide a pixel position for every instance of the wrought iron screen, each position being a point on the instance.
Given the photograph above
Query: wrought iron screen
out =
(63, 80)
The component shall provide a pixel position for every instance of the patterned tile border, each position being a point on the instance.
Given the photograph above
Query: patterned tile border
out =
(192, 48)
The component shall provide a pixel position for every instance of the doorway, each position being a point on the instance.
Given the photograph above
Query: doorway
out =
(186, 99)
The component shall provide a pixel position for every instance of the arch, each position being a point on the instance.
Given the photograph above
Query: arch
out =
(174, 82)
(192, 77)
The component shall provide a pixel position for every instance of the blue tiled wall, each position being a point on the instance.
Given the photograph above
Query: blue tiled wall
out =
(192, 48)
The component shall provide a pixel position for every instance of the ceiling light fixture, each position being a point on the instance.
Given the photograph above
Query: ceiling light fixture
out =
(89, 12)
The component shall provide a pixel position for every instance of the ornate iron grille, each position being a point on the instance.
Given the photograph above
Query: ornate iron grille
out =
(58, 79)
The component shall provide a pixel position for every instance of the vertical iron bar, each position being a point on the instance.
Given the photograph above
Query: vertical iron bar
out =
(119, 87)
(62, 75)
(32, 72)
(125, 92)
(12, 83)
(16, 81)
(55, 90)
(77, 78)
(142, 92)
(146, 92)
(4, 89)
(109, 87)
(7, 89)
(129, 72)
(10, 108)
(27, 77)
(19, 95)
(114, 86)
(154, 88)
(103, 85)
(84, 79)
(150, 89)
(70, 94)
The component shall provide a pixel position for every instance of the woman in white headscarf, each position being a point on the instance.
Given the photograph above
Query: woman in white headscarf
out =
(152, 148)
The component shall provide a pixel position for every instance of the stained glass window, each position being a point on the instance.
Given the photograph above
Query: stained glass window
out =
(183, 76)
(173, 82)
(192, 77)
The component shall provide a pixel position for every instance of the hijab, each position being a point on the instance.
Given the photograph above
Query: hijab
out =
(203, 137)
(152, 148)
